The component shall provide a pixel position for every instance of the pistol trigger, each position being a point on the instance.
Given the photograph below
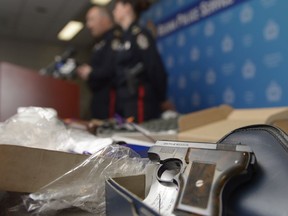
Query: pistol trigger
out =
(177, 179)
(169, 171)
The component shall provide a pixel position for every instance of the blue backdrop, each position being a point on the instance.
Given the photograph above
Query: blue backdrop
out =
(223, 51)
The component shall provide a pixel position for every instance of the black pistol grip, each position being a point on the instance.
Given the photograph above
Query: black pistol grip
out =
(204, 179)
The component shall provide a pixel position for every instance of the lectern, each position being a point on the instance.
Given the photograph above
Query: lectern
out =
(23, 87)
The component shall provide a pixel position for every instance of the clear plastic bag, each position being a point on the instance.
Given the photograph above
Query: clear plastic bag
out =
(39, 127)
(34, 127)
(84, 186)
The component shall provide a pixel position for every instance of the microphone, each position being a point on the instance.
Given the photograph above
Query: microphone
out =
(68, 53)
(63, 66)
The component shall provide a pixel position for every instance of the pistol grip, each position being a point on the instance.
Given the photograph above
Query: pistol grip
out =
(205, 177)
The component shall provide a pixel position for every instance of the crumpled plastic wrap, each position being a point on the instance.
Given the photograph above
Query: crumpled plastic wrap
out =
(84, 186)
(40, 128)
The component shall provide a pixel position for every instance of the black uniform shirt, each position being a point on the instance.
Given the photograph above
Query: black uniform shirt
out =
(101, 78)
(103, 60)
(138, 45)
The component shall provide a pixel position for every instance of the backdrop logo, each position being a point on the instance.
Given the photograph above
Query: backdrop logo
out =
(196, 99)
(195, 54)
(249, 97)
(271, 30)
(195, 76)
(170, 62)
(193, 14)
(227, 44)
(181, 41)
(272, 60)
(229, 96)
(247, 40)
(211, 99)
(274, 92)
(209, 29)
(209, 51)
(228, 68)
(182, 83)
(249, 70)
(246, 14)
(234, 55)
(268, 3)
(210, 77)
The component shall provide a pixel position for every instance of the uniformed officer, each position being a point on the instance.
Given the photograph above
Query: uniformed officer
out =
(100, 73)
(141, 78)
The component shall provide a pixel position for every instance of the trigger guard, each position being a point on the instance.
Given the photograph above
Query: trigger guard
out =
(169, 167)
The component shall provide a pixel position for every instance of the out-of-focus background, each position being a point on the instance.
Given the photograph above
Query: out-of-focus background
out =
(233, 54)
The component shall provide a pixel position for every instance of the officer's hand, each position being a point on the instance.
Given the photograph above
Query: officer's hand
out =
(167, 105)
(83, 71)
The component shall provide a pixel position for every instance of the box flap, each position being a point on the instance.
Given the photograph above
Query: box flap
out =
(134, 184)
(207, 130)
(26, 169)
(261, 115)
(282, 124)
(203, 117)
(124, 196)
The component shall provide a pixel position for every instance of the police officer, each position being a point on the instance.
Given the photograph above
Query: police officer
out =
(141, 78)
(100, 73)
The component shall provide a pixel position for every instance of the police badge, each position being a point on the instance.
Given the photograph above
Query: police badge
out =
(116, 44)
(99, 45)
(142, 41)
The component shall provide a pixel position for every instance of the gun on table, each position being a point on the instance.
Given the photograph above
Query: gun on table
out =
(131, 77)
(201, 171)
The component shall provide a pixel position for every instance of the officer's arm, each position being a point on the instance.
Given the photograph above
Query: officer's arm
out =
(101, 74)
(153, 64)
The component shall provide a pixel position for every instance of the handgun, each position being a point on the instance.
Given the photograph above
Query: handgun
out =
(203, 173)
(131, 77)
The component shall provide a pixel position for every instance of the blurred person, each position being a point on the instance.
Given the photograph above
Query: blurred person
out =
(141, 77)
(100, 72)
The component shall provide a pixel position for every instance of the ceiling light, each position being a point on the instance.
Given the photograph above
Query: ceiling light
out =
(70, 30)
(100, 2)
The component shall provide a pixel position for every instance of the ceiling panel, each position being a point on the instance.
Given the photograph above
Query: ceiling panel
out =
(70, 11)
(7, 24)
(41, 20)
(37, 17)
(11, 6)
(9, 13)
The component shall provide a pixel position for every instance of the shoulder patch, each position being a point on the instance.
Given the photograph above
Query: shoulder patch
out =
(99, 45)
(127, 45)
(142, 41)
(115, 44)
(117, 33)
(136, 30)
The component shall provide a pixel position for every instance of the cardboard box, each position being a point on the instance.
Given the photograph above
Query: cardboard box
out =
(127, 192)
(212, 124)
(132, 192)
(26, 169)
(282, 124)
